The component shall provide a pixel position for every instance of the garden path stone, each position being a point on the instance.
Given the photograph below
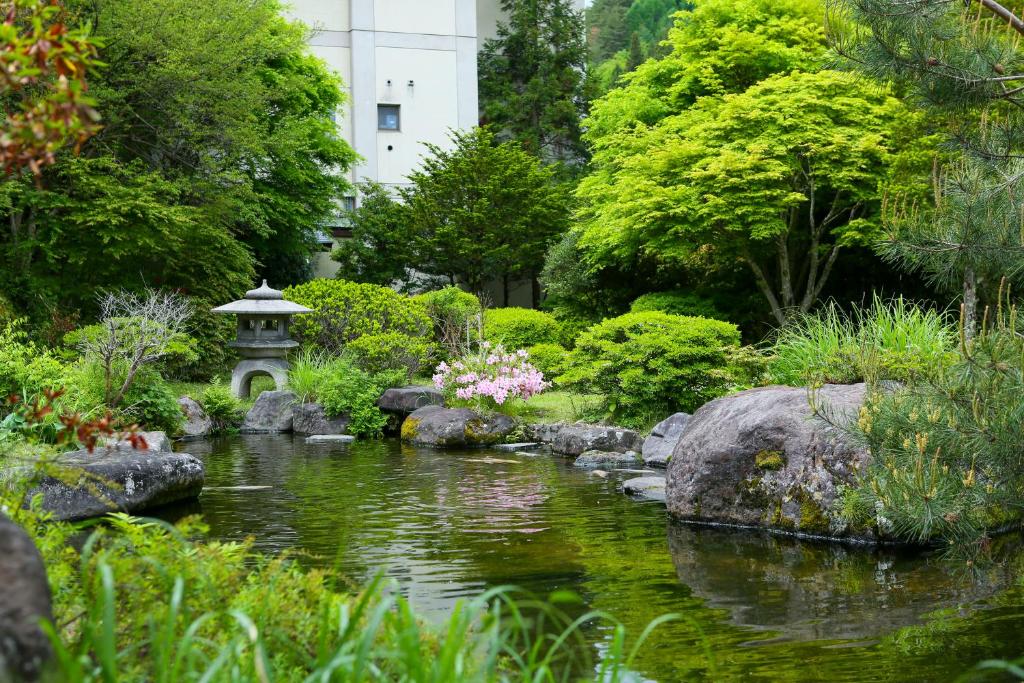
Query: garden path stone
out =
(763, 458)
(659, 445)
(651, 488)
(24, 601)
(119, 478)
(578, 438)
(197, 423)
(311, 418)
(607, 459)
(455, 428)
(272, 412)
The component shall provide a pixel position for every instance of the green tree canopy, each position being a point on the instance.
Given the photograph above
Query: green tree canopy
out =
(533, 85)
(484, 210)
(218, 155)
(780, 176)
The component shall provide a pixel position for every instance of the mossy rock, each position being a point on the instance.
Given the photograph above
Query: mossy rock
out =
(770, 460)
(440, 427)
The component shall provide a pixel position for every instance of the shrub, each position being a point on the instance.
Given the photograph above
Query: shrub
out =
(343, 388)
(456, 317)
(518, 328)
(344, 311)
(648, 365)
(892, 340)
(26, 369)
(548, 358)
(221, 405)
(149, 401)
(489, 379)
(389, 351)
(677, 302)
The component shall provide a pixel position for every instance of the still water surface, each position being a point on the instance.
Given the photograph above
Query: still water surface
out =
(448, 525)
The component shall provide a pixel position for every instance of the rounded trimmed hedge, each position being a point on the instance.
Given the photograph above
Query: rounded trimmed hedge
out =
(344, 311)
(676, 302)
(520, 328)
(650, 365)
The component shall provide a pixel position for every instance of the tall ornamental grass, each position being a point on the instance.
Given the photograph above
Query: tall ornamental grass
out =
(888, 340)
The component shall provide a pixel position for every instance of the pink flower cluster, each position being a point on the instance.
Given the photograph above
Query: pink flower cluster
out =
(490, 375)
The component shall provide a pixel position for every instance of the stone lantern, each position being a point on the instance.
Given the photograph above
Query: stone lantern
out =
(262, 337)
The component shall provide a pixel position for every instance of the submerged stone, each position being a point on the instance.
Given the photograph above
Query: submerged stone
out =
(651, 488)
(330, 438)
(606, 459)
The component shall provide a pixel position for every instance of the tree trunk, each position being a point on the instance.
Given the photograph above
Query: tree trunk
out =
(535, 290)
(970, 315)
(504, 290)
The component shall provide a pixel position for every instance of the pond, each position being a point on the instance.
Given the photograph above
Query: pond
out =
(448, 525)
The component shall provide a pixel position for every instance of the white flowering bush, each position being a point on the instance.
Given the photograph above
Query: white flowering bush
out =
(491, 378)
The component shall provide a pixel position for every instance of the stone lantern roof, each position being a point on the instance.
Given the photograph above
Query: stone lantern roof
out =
(262, 301)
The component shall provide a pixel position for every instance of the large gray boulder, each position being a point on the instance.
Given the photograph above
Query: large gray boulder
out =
(578, 438)
(24, 602)
(406, 400)
(763, 458)
(543, 432)
(310, 418)
(272, 413)
(662, 441)
(197, 423)
(119, 478)
(455, 428)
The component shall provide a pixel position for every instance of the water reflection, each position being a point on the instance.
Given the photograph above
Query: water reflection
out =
(448, 525)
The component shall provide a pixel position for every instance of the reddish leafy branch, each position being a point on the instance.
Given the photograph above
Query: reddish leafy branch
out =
(74, 428)
(43, 67)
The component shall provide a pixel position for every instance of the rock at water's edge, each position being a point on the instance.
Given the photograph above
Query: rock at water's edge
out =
(120, 479)
(197, 423)
(310, 418)
(24, 602)
(593, 459)
(659, 445)
(651, 488)
(155, 441)
(575, 439)
(272, 413)
(762, 458)
(455, 428)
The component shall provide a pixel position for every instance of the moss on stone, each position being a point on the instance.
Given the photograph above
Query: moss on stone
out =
(770, 460)
(410, 428)
(812, 517)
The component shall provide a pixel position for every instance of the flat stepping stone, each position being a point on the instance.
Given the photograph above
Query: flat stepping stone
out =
(330, 438)
(651, 488)
(524, 446)
(491, 461)
(631, 471)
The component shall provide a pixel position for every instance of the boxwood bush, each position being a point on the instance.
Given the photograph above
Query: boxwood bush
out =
(649, 365)
(392, 351)
(455, 315)
(676, 302)
(548, 358)
(520, 328)
(344, 311)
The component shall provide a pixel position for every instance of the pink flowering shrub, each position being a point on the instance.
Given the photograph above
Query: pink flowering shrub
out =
(490, 379)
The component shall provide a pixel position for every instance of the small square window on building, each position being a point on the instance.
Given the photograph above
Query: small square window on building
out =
(388, 117)
(348, 203)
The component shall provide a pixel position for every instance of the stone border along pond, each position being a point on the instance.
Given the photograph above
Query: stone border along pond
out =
(759, 458)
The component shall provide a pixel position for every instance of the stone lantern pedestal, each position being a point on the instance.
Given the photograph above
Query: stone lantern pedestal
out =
(262, 337)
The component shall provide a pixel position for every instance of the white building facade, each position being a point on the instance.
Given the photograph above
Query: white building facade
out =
(410, 74)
